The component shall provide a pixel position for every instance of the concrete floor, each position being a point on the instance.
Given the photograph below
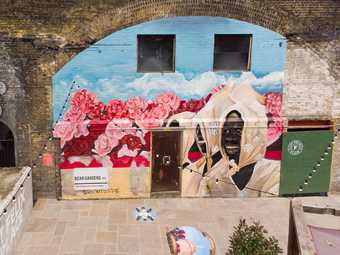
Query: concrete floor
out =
(108, 226)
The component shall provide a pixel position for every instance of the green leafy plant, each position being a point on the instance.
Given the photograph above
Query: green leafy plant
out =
(252, 240)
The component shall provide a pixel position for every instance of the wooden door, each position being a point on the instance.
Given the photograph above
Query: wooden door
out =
(165, 161)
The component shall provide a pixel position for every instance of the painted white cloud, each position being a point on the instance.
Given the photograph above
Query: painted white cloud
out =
(152, 84)
(267, 80)
(81, 81)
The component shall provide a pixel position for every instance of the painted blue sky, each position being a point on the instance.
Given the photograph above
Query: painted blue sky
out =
(108, 67)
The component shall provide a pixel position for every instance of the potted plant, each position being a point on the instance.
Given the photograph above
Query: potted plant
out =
(252, 240)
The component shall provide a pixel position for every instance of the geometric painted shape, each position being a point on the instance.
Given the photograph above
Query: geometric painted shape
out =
(144, 214)
(295, 147)
(306, 162)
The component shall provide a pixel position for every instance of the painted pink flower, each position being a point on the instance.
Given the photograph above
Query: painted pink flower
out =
(120, 162)
(116, 109)
(191, 105)
(74, 115)
(132, 142)
(141, 161)
(80, 129)
(124, 151)
(65, 131)
(154, 117)
(170, 100)
(104, 145)
(114, 131)
(83, 100)
(123, 123)
(273, 103)
(274, 131)
(96, 111)
(135, 107)
(159, 112)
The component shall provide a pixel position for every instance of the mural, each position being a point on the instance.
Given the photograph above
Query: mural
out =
(187, 240)
(231, 122)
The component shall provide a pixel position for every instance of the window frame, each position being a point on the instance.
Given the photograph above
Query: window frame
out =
(248, 68)
(173, 67)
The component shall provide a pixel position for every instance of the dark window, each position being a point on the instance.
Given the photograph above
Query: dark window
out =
(232, 52)
(156, 53)
(7, 152)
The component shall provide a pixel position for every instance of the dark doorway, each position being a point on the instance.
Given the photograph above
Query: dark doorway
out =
(165, 161)
(7, 151)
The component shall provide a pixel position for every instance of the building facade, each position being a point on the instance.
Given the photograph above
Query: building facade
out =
(191, 98)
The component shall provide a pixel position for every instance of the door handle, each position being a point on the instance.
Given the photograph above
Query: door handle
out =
(166, 160)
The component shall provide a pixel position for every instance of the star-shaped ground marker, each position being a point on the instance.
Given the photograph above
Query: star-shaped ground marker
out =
(145, 214)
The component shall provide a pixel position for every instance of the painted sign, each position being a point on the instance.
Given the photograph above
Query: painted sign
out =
(295, 147)
(109, 119)
(90, 178)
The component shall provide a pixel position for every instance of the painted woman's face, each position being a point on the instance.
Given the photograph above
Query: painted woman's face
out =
(231, 135)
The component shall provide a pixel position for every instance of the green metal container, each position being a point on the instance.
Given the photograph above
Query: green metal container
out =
(302, 169)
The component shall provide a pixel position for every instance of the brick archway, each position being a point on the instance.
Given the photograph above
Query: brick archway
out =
(87, 23)
(83, 24)
(110, 17)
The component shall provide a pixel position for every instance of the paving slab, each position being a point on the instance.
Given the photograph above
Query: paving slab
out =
(109, 227)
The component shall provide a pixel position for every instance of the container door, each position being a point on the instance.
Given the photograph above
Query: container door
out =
(306, 162)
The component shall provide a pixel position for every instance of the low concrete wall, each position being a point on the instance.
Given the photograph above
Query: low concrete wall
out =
(15, 211)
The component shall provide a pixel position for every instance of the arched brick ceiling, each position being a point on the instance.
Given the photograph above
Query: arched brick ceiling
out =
(80, 21)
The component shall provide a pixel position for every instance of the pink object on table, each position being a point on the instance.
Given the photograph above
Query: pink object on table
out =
(326, 241)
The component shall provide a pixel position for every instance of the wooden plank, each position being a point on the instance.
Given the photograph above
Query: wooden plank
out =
(321, 205)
